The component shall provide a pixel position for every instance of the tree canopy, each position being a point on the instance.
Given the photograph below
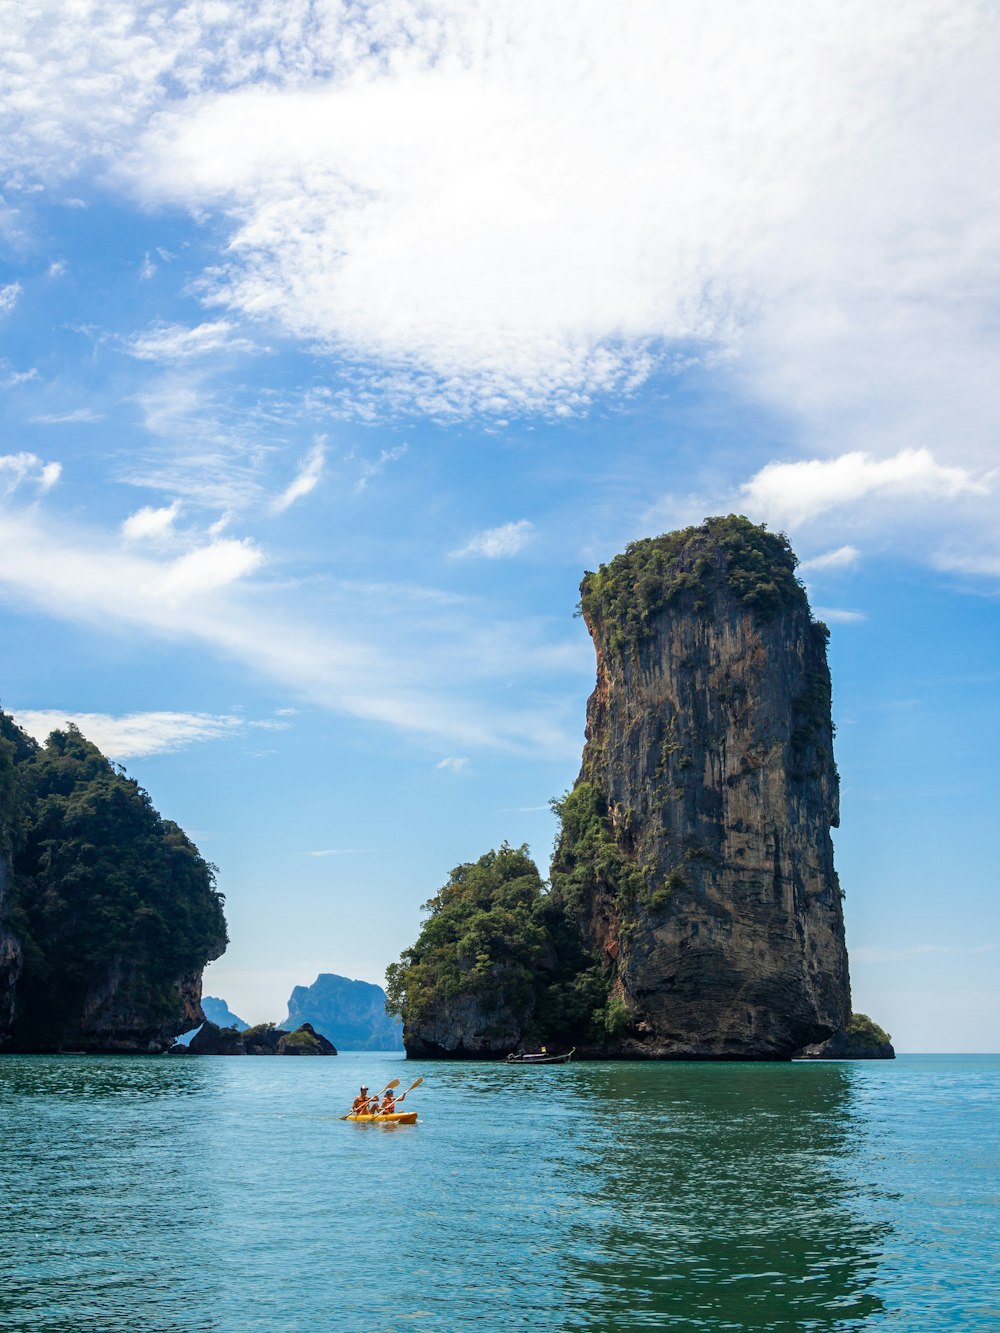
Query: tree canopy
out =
(101, 884)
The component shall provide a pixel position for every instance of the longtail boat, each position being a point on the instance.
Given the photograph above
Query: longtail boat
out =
(539, 1058)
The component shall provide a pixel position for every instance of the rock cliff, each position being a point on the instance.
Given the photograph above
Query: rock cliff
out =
(108, 914)
(693, 909)
(712, 901)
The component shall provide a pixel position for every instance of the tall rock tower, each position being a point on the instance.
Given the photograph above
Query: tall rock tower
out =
(709, 757)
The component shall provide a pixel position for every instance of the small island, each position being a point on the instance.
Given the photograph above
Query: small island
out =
(692, 909)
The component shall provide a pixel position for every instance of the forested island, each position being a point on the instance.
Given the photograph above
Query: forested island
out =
(108, 912)
(692, 909)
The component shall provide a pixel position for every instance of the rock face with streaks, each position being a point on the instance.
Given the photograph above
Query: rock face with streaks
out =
(711, 899)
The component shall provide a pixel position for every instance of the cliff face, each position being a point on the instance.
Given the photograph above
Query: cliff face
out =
(710, 748)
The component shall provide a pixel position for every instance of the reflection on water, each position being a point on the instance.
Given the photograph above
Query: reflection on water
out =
(217, 1195)
(718, 1194)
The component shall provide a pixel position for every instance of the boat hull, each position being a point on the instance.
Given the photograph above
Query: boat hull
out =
(540, 1059)
(392, 1118)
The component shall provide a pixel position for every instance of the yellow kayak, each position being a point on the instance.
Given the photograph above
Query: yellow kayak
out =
(392, 1118)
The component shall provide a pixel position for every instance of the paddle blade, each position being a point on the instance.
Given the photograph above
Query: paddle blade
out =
(415, 1084)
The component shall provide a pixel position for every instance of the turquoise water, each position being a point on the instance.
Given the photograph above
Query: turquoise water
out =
(225, 1194)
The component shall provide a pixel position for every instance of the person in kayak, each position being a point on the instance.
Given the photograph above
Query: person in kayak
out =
(360, 1106)
(390, 1102)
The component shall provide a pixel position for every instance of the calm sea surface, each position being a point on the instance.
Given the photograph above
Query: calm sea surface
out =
(225, 1194)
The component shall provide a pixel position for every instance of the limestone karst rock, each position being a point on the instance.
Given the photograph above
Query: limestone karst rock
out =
(710, 753)
(693, 910)
(351, 1013)
(108, 914)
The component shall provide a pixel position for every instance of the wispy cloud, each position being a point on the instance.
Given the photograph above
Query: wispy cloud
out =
(453, 764)
(78, 416)
(834, 615)
(423, 678)
(9, 297)
(206, 569)
(497, 543)
(306, 479)
(338, 851)
(844, 557)
(372, 467)
(178, 342)
(133, 735)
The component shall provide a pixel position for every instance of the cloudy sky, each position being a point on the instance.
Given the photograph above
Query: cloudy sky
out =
(340, 338)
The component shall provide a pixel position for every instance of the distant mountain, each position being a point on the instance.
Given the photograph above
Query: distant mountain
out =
(351, 1014)
(219, 1013)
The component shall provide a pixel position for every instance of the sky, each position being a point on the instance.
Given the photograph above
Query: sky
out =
(337, 340)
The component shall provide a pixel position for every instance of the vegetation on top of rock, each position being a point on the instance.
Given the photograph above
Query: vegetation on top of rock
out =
(757, 567)
(102, 886)
(861, 1028)
(482, 939)
(496, 936)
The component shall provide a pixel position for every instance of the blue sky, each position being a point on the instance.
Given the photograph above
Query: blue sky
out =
(339, 339)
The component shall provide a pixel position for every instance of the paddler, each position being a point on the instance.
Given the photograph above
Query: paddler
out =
(390, 1101)
(360, 1106)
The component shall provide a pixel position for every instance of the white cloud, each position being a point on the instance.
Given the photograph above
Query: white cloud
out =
(453, 764)
(307, 478)
(502, 209)
(416, 665)
(9, 297)
(337, 851)
(149, 522)
(206, 569)
(497, 543)
(57, 268)
(793, 493)
(28, 467)
(133, 735)
(844, 557)
(178, 342)
(147, 269)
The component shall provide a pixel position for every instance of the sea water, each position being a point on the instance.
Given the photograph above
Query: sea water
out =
(205, 1193)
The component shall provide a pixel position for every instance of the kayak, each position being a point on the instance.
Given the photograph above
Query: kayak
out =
(391, 1118)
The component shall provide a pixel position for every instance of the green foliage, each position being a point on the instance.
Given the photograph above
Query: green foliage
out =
(255, 1033)
(482, 939)
(588, 859)
(864, 1029)
(103, 886)
(301, 1043)
(615, 1016)
(692, 565)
